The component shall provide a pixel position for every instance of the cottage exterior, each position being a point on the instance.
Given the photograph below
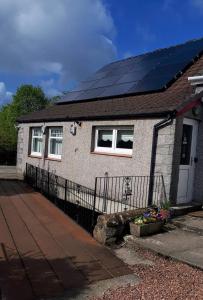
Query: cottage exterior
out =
(156, 130)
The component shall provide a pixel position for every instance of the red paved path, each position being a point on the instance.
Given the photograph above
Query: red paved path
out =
(42, 251)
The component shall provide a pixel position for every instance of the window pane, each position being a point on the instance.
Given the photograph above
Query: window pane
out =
(37, 131)
(37, 145)
(56, 132)
(124, 139)
(186, 145)
(55, 147)
(105, 138)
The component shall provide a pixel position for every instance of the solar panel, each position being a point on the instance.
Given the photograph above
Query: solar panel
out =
(144, 73)
(90, 94)
(118, 89)
(157, 78)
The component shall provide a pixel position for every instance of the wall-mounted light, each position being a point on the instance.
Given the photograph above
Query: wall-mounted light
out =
(73, 128)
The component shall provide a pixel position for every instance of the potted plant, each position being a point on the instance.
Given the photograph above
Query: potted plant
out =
(149, 222)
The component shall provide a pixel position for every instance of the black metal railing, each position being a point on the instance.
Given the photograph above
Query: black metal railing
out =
(74, 199)
(110, 194)
(121, 193)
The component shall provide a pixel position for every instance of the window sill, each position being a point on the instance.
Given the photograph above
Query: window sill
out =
(35, 156)
(54, 159)
(112, 154)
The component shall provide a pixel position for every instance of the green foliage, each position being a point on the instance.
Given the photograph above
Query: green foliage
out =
(27, 99)
(166, 205)
(8, 134)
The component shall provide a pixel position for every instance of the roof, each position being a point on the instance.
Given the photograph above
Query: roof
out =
(143, 105)
(149, 72)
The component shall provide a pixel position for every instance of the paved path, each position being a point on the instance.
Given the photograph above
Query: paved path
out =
(184, 244)
(9, 172)
(43, 252)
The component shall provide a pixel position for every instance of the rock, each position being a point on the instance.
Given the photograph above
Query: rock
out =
(110, 228)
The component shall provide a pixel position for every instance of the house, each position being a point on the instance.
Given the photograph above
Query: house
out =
(140, 116)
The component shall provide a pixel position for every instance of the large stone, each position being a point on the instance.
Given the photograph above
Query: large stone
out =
(111, 227)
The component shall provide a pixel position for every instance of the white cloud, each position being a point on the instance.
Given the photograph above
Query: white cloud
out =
(49, 88)
(197, 4)
(65, 37)
(5, 96)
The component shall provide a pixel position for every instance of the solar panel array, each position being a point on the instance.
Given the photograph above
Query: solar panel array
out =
(140, 74)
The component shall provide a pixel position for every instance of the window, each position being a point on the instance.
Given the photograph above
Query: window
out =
(37, 140)
(55, 142)
(114, 140)
(186, 145)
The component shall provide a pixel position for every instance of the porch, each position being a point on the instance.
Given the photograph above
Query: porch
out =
(42, 251)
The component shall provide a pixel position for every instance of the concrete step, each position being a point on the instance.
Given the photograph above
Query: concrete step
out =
(186, 208)
(189, 223)
(9, 173)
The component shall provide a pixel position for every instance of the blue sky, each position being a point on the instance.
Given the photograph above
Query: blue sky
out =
(55, 43)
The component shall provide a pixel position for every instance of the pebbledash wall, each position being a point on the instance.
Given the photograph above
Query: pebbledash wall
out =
(82, 166)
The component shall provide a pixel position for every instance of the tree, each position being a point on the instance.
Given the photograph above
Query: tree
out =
(29, 98)
(26, 100)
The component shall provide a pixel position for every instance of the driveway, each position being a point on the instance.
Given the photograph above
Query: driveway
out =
(43, 253)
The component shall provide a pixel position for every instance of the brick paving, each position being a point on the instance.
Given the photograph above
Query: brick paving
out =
(44, 253)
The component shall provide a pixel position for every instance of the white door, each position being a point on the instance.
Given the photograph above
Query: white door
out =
(187, 161)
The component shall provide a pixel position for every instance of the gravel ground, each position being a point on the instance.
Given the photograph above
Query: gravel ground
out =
(165, 280)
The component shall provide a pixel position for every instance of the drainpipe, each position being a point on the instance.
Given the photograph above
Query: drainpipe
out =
(162, 124)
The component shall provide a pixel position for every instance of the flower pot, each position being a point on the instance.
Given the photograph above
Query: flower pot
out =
(145, 229)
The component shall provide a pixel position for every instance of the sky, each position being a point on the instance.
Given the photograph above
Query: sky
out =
(57, 43)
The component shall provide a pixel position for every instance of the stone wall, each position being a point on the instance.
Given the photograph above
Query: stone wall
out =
(112, 227)
(164, 157)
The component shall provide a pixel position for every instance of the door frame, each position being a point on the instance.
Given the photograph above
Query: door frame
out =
(189, 168)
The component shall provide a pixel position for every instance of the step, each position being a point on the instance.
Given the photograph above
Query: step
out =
(189, 223)
(184, 209)
(10, 173)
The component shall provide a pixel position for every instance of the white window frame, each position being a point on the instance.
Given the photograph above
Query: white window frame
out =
(50, 155)
(33, 153)
(113, 149)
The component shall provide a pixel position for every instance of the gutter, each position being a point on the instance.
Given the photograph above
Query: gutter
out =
(96, 118)
(162, 124)
(195, 80)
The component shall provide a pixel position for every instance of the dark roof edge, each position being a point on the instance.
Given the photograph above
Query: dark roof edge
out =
(98, 118)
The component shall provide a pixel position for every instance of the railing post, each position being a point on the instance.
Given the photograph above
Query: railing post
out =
(48, 183)
(94, 203)
(26, 172)
(65, 195)
(36, 177)
(106, 187)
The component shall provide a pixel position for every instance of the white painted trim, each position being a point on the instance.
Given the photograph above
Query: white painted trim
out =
(39, 154)
(51, 155)
(113, 149)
